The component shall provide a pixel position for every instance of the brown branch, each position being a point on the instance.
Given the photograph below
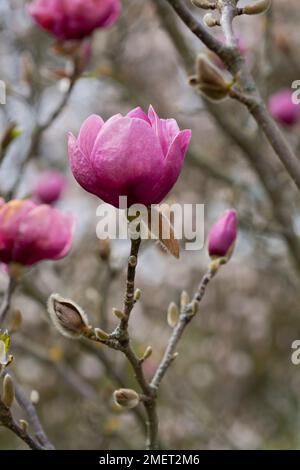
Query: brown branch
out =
(122, 337)
(185, 317)
(38, 131)
(7, 420)
(30, 410)
(245, 89)
(6, 301)
(266, 169)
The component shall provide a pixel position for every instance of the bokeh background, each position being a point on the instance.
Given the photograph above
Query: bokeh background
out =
(233, 385)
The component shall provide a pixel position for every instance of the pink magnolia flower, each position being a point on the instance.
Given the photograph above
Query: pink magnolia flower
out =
(74, 19)
(283, 109)
(49, 187)
(139, 156)
(223, 234)
(30, 233)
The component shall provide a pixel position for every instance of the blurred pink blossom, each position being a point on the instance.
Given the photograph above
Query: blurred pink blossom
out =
(49, 187)
(139, 156)
(30, 233)
(74, 19)
(283, 109)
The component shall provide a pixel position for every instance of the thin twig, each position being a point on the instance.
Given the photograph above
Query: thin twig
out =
(7, 420)
(6, 301)
(26, 404)
(186, 316)
(37, 133)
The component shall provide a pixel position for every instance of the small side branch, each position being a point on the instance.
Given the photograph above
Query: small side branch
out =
(185, 317)
(33, 418)
(8, 421)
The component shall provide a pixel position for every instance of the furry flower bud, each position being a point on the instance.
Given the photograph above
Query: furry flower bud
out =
(68, 318)
(126, 398)
(173, 315)
(209, 79)
(8, 394)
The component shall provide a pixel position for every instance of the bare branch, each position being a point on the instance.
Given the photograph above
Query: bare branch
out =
(9, 422)
(186, 316)
(245, 89)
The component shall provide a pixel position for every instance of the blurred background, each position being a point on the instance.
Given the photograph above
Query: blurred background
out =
(233, 385)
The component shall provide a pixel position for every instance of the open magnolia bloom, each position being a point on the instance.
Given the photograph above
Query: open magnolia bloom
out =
(139, 156)
(74, 19)
(30, 233)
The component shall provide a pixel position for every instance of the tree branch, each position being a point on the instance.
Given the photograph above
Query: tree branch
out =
(8, 421)
(245, 89)
(185, 317)
(6, 301)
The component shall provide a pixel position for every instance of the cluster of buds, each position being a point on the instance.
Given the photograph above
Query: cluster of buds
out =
(210, 80)
(255, 8)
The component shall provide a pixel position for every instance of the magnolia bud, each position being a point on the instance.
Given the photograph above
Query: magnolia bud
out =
(210, 21)
(137, 294)
(105, 249)
(34, 397)
(24, 425)
(195, 307)
(118, 313)
(255, 8)
(8, 394)
(173, 315)
(204, 4)
(100, 334)
(184, 299)
(126, 398)
(69, 319)
(210, 80)
(147, 353)
(222, 236)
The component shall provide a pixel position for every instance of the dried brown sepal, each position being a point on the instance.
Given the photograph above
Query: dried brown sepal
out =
(163, 231)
